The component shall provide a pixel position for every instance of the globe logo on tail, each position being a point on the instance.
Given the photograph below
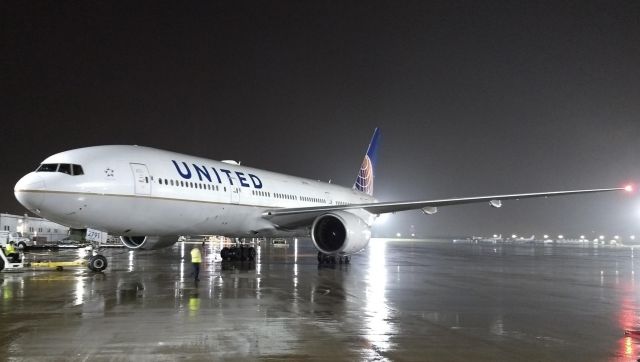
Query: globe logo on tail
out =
(364, 182)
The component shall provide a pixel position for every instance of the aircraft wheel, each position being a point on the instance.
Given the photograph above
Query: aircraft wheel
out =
(244, 253)
(252, 253)
(224, 253)
(340, 259)
(97, 263)
(347, 259)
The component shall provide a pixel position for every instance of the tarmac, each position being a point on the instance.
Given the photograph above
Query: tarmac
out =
(397, 301)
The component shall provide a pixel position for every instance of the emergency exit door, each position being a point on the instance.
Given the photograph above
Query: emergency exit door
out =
(141, 182)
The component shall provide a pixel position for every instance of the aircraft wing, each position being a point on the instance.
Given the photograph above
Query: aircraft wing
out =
(299, 215)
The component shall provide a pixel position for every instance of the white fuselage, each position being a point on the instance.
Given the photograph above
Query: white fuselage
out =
(135, 191)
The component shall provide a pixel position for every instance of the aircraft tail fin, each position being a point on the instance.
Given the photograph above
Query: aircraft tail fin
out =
(367, 173)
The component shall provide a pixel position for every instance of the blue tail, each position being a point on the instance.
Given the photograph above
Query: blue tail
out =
(367, 173)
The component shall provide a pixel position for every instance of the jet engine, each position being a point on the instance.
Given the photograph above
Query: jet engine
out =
(148, 242)
(340, 232)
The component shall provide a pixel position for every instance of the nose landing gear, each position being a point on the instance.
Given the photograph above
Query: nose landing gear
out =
(97, 262)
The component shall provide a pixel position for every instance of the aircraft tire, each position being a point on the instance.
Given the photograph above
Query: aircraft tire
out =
(224, 253)
(347, 259)
(1, 262)
(252, 253)
(97, 263)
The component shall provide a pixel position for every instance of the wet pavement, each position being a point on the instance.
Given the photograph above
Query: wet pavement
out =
(400, 300)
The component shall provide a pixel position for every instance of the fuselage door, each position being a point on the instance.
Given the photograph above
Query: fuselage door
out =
(235, 191)
(327, 197)
(235, 194)
(141, 180)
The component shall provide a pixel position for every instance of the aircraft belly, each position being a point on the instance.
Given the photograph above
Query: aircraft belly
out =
(139, 215)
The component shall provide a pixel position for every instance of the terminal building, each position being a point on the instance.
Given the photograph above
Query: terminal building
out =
(35, 228)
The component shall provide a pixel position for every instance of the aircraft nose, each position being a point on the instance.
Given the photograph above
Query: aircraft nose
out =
(29, 191)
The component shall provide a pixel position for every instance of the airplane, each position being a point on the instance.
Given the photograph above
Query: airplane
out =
(490, 239)
(148, 197)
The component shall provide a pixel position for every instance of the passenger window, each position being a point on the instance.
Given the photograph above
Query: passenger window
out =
(65, 168)
(77, 170)
(160, 181)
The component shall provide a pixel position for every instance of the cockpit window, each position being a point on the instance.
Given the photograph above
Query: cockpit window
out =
(67, 168)
(47, 167)
(77, 170)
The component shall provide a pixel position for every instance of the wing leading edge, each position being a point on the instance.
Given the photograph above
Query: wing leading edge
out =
(301, 214)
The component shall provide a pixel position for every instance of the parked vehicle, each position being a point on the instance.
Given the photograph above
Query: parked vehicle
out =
(19, 240)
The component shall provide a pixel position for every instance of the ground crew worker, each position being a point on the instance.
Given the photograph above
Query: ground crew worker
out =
(196, 259)
(11, 252)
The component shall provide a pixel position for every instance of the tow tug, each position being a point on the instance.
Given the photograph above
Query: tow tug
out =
(95, 262)
(10, 265)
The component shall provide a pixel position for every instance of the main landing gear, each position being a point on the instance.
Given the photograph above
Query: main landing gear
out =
(241, 253)
(333, 259)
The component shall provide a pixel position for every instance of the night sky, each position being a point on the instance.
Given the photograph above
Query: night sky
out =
(472, 98)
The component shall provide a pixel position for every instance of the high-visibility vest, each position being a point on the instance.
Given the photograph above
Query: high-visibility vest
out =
(10, 249)
(196, 257)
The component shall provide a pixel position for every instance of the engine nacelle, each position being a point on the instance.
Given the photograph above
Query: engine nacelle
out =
(340, 232)
(148, 242)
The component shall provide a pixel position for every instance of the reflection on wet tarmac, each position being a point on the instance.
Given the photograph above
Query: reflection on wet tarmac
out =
(378, 325)
(396, 301)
